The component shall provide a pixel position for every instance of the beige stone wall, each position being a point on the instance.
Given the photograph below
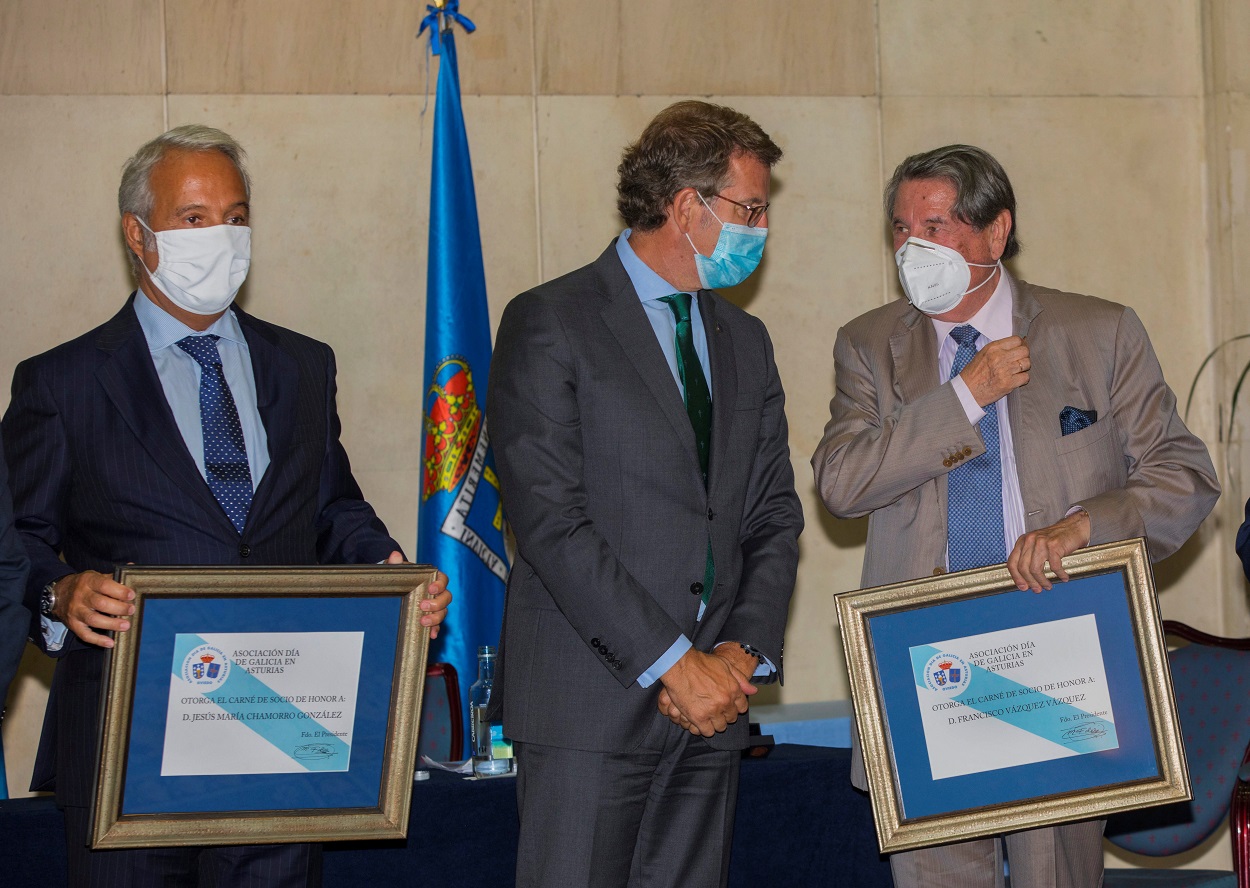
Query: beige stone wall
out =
(1123, 123)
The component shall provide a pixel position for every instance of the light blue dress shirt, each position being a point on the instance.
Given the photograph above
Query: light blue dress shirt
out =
(652, 288)
(180, 378)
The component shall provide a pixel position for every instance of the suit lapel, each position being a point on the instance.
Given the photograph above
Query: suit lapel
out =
(913, 348)
(129, 378)
(720, 352)
(1025, 406)
(277, 380)
(627, 319)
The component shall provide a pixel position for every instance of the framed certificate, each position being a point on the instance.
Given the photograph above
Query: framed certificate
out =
(983, 709)
(253, 705)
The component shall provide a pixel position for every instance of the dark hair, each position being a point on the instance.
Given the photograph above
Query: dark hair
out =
(982, 189)
(688, 145)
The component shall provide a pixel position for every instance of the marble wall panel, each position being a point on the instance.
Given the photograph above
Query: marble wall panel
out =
(734, 47)
(338, 47)
(68, 47)
(62, 253)
(23, 718)
(1041, 48)
(1227, 23)
(340, 215)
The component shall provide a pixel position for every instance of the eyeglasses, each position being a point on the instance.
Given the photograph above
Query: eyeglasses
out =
(754, 214)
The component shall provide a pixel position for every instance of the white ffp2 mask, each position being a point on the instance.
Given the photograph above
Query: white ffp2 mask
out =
(935, 278)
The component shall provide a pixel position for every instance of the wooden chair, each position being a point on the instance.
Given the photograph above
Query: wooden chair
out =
(1211, 679)
(441, 735)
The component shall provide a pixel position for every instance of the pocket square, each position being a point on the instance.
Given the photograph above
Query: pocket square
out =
(1073, 419)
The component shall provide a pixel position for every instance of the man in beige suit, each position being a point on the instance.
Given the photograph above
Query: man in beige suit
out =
(985, 419)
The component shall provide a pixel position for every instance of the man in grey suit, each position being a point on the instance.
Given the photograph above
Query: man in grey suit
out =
(986, 419)
(641, 441)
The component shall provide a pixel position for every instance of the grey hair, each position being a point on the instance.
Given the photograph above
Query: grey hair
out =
(134, 195)
(982, 189)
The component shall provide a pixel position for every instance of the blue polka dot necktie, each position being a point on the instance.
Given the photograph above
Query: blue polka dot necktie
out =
(698, 405)
(974, 489)
(225, 453)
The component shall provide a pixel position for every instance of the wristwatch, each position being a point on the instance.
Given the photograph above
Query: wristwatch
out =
(47, 600)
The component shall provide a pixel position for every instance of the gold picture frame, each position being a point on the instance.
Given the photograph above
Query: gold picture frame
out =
(912, 807)
(371, 609)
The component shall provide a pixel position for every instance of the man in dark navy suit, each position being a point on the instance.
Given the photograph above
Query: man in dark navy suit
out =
(181, 431)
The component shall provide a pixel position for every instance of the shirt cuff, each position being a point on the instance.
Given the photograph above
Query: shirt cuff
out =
(765, 668)
(665, 663)
(972, 409)
(53, 633)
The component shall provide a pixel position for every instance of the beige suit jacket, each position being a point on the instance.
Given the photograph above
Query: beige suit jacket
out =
(895, 426)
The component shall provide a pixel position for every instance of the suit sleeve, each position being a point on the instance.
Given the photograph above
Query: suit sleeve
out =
(536, 431)
(14, 565)
(1243, 542)
(37, 453)
(866, 461)
(1172, 485)
(772, 519)
(348, 530)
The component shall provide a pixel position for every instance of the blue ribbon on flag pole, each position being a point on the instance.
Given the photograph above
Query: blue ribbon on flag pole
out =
(451, 9)
(460, 527)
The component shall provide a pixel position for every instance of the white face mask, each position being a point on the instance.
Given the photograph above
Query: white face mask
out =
(935, 278)
(201, 269)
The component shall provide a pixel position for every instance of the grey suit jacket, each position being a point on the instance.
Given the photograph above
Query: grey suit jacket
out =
(1137, 470)
(602, 487)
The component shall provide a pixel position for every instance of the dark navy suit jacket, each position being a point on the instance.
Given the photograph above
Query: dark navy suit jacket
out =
(101, 477)
(14, 618)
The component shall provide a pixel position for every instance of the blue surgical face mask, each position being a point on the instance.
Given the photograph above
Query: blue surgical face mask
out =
(737, 254)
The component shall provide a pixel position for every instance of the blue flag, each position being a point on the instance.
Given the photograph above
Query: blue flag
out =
(460, 520)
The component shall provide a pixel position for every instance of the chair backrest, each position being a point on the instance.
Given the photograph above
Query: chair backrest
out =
(441, 735)
(1211, 680)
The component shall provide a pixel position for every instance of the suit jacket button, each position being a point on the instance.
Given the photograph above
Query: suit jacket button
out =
(947, 462)
(938, 571)
(603, 649)
(594, 642)
(967, 451)
(244, 550)
(710, 515)
(696, 588)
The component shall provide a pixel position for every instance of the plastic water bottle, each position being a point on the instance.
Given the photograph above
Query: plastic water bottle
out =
(492, 752)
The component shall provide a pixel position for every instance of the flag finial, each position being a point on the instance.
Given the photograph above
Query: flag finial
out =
(440, 15)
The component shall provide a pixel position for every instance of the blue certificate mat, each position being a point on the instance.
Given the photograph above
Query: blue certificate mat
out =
(982, 709)
(1004, 697)
(260, 704)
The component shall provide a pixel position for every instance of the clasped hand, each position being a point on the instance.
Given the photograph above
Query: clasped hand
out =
(705, 693)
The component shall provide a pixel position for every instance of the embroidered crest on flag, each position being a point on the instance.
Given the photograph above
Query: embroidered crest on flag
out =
(456, 446)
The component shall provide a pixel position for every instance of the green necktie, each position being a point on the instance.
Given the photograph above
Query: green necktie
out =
(698, 405)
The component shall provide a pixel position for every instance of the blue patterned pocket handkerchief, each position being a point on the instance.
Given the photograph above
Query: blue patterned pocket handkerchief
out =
(1073, 419)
